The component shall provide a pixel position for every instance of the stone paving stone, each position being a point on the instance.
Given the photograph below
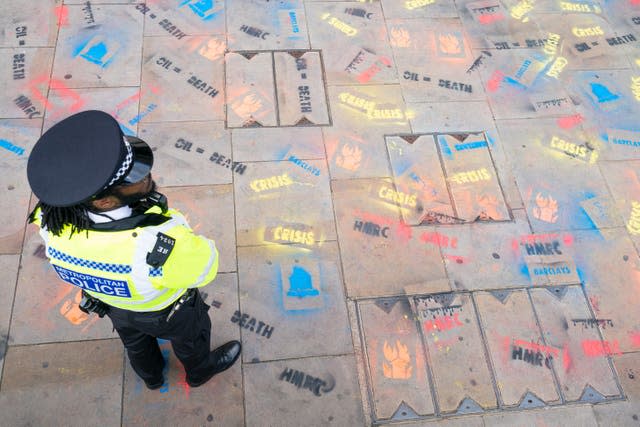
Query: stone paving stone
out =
(456, 354)
(451, 422)
(46, 308)
(219, 401)
(164, 17)
(550, 258)
(608, 266)
(433, 60)
(77, 383)
(17, 137)
(121, 103)
(362, 116)
(301, 94)
(485, 255)
(9, 264)
(510, 329)
(276, 196)
(418, 176)
(422, 272)
(260, 144)
(182, 83)
(310, 391)
(100, 46)
(557, 186)
(415, 9)
(395, 358)
(366, 56)
(254, 25)
(26, 67)
(209, 212)
(251, 91)
(22, 24)
(559, 316)
(190, 153)
(574, 416)
(294, 293)
(623, 413)
(621, 144)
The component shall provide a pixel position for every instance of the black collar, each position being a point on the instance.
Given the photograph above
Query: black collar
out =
(131, 222)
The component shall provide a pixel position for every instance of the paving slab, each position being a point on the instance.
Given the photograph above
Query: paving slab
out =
(164, 17)
(578, 416)
(201, 205)
(288, 294)
(316, 390)
(359, 213)
(286, 195)
(362, 116)
(100, 47)
(190, 153)
(9, 264)
(623, 413)
(17, 138)
(456, 354)
(416, 9)
(45, 307)
(520, 360)
(168, 64)
(63, 383)
(607, 274)
(254, 25)
(567, 324)
(260, 144)
(25, 25)
(399, 381)
(366, 57)
(25, 68)
(219, 401)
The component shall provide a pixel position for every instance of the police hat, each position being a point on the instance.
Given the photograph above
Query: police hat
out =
(83, 155)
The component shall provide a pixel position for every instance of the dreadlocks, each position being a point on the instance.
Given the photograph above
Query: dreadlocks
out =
(56, 218)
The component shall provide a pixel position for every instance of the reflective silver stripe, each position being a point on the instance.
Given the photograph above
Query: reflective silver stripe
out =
(204, 273)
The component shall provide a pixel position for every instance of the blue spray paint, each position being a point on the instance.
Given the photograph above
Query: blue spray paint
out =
(444, 146)
(13, 148)
(300, 284)
(602, 93)
(203, 8)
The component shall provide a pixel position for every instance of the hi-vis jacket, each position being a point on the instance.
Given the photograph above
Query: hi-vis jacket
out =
(109, 261)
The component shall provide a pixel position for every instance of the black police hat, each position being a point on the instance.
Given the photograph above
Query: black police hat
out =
(83, 155)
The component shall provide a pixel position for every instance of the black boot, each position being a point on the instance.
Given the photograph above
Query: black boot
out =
(220, 359)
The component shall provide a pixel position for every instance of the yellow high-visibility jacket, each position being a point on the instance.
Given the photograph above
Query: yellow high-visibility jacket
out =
(110, 261)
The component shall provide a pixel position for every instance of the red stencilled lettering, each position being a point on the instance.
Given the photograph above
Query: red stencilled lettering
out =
(404, 232)
(438, 239)
(443, 323)
(566, 359)
(570, 121)
(596, 348)
(489, 19)
(71, 100)
(495, 80)
(536, 347)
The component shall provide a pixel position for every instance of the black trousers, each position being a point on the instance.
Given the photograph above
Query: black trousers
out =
(189, 331)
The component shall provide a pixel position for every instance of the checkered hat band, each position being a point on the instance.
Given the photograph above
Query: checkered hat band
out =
(126, 165)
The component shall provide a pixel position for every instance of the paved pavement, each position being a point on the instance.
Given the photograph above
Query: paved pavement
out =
(427, 211)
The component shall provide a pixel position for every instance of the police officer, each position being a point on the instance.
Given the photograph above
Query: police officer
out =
(108, 231)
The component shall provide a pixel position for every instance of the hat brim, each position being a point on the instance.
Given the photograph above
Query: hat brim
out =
(142, 160)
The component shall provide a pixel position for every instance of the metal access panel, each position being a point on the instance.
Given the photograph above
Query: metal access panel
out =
(461, 375)
(521, 360)
(276, 88)
(568, 325)
(399, 382)
(451, 177)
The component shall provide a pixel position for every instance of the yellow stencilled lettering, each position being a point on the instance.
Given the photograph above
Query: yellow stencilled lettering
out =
(414, 4)
(578, 7)
(471, 176)
(291, 235)
(557, 67)
(633, 225)
(551, 45)
(399, 197)
(576, 150)
(339, 25)
(270, 183)
(521, 9)
(356, 102)
(587, 32)
(635, 87)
